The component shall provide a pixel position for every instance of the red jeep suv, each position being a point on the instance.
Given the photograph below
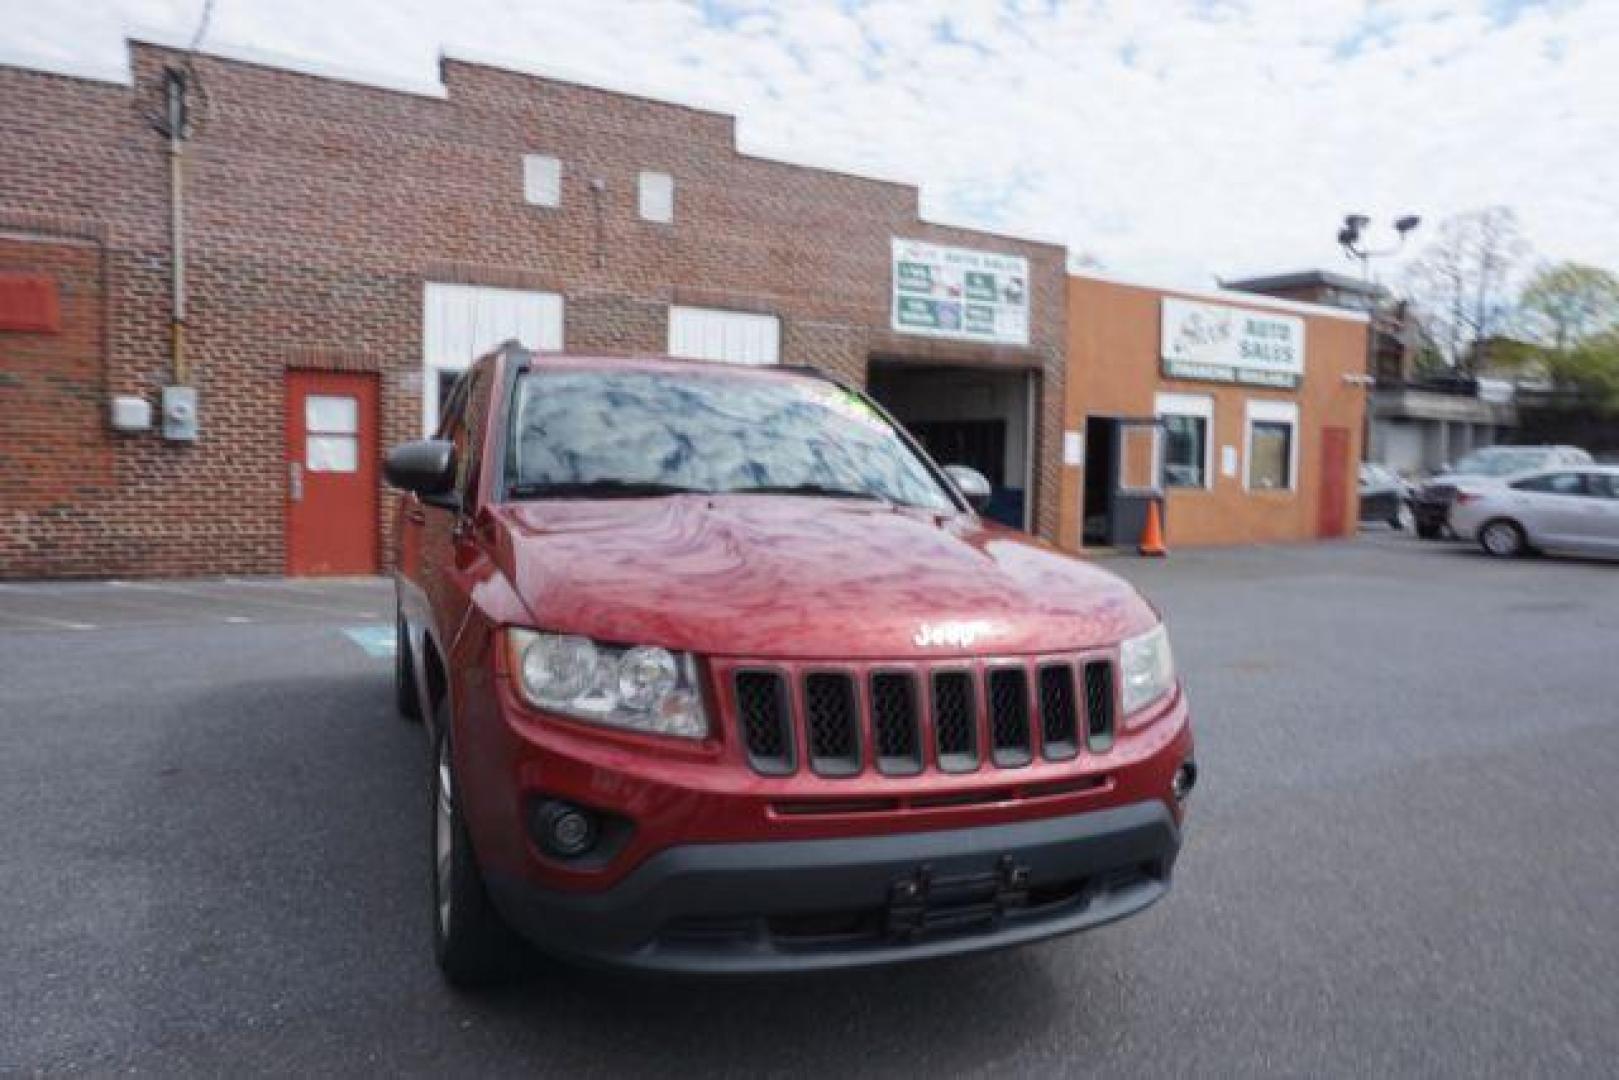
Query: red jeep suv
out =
(723, 675)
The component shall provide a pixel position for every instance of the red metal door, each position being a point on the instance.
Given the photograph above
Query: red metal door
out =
(331, 517)
(1333, 519)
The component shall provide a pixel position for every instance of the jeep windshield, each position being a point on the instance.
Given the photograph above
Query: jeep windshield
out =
(635, 434)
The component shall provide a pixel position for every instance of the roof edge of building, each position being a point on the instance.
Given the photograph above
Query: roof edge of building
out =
(1255, 300)
(563, 73)
(298, 65)
(438, 90)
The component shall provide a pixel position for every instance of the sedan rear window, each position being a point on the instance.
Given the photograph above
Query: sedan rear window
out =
(636, 433)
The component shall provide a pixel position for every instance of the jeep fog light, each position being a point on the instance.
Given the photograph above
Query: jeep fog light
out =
(1184, 781)
(565, 830)
(641, 688)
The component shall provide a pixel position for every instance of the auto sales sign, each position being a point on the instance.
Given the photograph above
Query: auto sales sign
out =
(1217, 343)
(959, 293)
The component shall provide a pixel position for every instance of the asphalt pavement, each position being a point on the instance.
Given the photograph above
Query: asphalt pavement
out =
(1402, 857)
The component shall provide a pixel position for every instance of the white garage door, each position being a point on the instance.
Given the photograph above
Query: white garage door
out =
(738, 337)
(462, 322)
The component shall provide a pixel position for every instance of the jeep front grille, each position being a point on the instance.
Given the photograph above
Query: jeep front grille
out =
(1059, 710)
(901, 719)
(762, 713)
(893, 722)
(832, 718)
(1098, 705)
(1009, 715)
(955, 720)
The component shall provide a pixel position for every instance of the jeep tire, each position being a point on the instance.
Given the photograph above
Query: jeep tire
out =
(404, 673)
(471, 942)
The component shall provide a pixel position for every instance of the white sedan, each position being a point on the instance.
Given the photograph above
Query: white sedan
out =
(1566, 509)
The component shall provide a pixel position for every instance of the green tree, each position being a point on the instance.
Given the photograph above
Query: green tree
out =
(1569, 316)
(1567, 304)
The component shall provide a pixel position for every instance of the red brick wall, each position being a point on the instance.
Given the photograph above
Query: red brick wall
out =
(56, 455)
(317, 209)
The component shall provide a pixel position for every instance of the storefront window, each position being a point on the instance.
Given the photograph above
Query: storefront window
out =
(1187, 421)
(1185, 444)
(1270, 457)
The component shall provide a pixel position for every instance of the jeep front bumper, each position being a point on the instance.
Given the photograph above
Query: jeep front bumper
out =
(804, 905)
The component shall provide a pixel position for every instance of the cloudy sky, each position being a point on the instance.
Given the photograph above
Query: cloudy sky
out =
(1177, 140)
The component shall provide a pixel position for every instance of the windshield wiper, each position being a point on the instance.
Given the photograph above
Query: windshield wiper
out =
(600, 489)
(822, 490)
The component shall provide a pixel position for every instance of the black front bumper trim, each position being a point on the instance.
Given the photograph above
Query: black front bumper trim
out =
(880, 899)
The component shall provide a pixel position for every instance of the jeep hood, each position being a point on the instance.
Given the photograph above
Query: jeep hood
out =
(804, 578)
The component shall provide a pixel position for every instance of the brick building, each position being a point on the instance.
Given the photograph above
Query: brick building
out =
(339, 228)
(1239, 415)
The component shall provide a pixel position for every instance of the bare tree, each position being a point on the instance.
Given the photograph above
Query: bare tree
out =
(1462, 281)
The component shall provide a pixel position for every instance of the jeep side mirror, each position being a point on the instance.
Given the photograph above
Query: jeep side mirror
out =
(425, 467)
(972, 485)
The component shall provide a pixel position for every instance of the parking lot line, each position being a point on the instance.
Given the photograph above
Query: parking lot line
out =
(377, 640)
(272, 601)
(48, 621)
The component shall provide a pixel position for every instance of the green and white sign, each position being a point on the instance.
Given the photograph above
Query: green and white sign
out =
(1216, 343)
(960, 293)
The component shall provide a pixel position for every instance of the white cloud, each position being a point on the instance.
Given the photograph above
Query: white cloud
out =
(1177, 140)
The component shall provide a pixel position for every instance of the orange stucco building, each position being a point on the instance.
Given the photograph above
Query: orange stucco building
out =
(1241, 416)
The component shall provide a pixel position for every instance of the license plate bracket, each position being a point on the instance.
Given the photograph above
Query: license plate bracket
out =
(925, 901)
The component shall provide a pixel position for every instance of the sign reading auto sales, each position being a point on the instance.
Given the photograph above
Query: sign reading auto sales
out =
(1228, 344)
(958, 293)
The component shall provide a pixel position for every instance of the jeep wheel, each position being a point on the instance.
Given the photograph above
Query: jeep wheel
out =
(470, 940)
(1428, 532)
(1503, 538)
(404, 673)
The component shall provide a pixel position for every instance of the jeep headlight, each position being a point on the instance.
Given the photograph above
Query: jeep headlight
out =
(1148, 669)
(640, 688)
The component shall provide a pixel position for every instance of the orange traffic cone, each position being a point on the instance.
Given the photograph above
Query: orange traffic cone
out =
(1152, 535)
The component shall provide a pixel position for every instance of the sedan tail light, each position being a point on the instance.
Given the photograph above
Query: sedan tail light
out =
(1465, 497)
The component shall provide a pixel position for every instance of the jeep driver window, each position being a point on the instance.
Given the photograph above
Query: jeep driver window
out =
(640, 433)
(470, 436)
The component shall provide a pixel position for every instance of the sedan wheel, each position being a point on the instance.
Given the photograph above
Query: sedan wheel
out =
(1501, 538)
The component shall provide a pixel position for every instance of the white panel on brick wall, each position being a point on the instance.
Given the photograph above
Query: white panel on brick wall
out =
(462, 322)
(542, 180)
(657, 197)
(738, 337)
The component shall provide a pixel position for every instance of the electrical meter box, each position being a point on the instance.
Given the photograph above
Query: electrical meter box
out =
(180, 413)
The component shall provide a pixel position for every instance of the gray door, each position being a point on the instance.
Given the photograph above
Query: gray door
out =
(1552, 507)
(1604, 517)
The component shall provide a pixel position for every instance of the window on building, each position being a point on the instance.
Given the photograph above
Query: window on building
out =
(331, 433)
(657, 197)
(1272, 445)
(1188, 423)
(737, 337)
(542, 180)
